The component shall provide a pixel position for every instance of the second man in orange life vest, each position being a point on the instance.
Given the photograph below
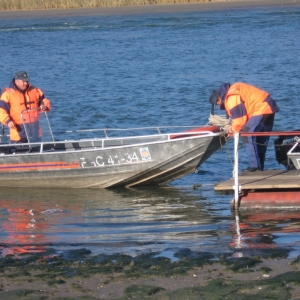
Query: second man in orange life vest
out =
(17, 98)
(251, 110)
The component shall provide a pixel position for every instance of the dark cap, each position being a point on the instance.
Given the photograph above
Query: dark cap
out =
(223, 89)
(214, 95)
(21, 75)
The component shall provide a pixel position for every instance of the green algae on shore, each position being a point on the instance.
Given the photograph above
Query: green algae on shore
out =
(78, 274)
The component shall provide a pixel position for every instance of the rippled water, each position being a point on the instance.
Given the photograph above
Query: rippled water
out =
(150, 69)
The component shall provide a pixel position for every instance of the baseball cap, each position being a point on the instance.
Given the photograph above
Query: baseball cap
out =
(21, 75)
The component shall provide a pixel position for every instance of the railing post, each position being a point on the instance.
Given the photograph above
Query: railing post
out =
(236, 171)
(2, 132)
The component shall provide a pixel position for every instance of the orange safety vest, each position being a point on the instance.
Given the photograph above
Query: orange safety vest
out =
(243, 101)
(14, 102)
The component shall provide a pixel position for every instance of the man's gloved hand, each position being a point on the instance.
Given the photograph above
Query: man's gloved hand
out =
(11, 125)
(229, 130)
(43, 107)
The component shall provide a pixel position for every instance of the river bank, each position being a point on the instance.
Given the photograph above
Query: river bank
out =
(191, 275)
(140, 9)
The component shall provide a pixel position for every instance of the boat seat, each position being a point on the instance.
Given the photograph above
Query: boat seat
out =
(4, 150)
(133, 140)
(17, 149)
(73, 146)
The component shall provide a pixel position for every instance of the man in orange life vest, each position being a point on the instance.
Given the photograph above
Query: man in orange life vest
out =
(20, 96)
(251, 110)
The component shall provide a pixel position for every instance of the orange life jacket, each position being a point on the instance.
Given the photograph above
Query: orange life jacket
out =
(13, 103)
(244, 101)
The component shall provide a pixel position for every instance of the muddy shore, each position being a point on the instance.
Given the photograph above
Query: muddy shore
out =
(193, 275)
(77, 275)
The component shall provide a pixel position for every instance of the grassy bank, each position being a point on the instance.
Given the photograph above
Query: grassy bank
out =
(65, 4)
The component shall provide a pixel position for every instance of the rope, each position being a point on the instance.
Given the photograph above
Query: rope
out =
(224, 123)
(220, 121)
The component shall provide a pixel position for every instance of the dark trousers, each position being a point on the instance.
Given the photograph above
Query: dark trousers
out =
(256, 146)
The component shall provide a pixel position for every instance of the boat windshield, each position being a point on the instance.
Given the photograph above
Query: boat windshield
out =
(37, 126)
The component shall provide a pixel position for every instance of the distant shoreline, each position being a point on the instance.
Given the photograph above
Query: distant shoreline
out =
(140, 9)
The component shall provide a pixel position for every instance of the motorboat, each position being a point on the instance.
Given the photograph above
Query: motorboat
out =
(287, 150)
(106, 157)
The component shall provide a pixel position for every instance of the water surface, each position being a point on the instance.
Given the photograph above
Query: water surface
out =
(150, 69)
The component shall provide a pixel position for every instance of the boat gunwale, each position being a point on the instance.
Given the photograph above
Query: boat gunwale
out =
(191, 135)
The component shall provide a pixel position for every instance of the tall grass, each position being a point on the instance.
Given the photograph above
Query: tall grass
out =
(63, 4)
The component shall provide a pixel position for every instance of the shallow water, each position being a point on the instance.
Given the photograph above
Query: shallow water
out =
(145, 70)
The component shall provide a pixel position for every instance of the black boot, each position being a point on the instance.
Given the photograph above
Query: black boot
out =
(250, 169)
(262, 157)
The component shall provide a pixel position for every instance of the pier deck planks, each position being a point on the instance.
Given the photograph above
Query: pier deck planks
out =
(270, 179)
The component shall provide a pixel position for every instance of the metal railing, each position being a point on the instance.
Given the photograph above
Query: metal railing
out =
(237, 187)
(137, 135)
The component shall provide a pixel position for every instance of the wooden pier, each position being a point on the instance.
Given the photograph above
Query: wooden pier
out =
(266, 189)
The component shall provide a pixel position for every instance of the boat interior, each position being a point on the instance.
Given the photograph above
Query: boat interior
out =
(95, 138)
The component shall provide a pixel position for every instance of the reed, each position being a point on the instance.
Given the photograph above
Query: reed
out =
(64, 4)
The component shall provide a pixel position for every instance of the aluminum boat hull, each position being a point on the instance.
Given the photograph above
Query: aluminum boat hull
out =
(108, 162)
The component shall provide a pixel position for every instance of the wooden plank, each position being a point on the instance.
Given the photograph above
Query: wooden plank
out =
(270, 179)
(270, 133)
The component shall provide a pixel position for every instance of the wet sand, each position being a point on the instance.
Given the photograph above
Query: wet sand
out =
(206, 6)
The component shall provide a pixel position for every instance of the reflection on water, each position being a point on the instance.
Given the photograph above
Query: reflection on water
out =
(137, 220)
(127, 220)
(257, 231)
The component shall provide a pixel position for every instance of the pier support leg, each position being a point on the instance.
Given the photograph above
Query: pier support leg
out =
(236, 171)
